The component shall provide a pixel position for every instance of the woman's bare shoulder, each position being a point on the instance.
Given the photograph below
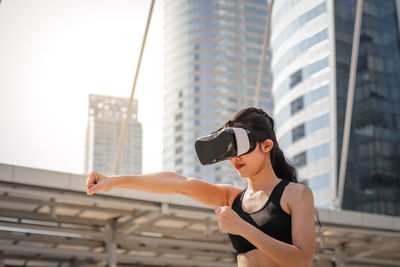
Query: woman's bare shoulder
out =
(296, 192)
(297, 188)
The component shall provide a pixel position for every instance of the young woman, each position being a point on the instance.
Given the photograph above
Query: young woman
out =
(270, 223)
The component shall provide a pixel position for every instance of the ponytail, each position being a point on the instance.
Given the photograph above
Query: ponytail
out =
(282, 168)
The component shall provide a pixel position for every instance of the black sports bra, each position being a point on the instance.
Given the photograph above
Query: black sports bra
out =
(270, 219)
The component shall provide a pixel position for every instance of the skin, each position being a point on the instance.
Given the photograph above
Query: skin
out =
(297, 200)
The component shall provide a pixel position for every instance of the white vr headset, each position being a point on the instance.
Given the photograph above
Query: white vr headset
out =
(224, 144)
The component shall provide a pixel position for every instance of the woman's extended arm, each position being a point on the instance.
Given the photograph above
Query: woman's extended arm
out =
(165, 183)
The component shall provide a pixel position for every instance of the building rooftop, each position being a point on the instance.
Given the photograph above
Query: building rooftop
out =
(47, 219)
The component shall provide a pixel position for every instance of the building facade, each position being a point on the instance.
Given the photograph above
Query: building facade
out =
(311, 44)
(105, 118)
(212, 56)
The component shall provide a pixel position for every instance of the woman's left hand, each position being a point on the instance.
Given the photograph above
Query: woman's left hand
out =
(229, 221)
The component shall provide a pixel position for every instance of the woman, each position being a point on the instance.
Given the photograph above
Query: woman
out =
(270, 223)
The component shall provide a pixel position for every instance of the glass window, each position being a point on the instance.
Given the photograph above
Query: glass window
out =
(285, 141)
(300, 159)
(316, 66)
(317, 124)
(298, 133)
(316, 94)
(178, 116)
(288, 5)
(255, 20)
(307, 71)
(296, 105)
(250, 39)
(304, 129)
(178, 161)
(178, 138)
(178, 127)
(295, 78)
(282, 117)
(317, 153)
(297, 24)
(258, 11)
(298, 50)
(178, 150)
(261, 2)
(319, 182)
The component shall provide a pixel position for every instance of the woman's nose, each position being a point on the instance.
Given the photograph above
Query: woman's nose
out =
(236, 158)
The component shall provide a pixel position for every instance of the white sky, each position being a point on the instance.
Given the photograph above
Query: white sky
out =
(53, 54)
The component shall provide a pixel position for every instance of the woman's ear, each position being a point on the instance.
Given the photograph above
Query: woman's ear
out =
(267, 145)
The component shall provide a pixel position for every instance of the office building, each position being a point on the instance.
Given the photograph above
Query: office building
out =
(105, 119)
(311, 44)
(212, 56)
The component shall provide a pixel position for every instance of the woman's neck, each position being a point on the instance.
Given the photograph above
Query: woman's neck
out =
(265, 179)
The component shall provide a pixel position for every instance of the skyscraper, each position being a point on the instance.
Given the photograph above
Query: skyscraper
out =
(105, 119)
(212, 56)
(311, 44)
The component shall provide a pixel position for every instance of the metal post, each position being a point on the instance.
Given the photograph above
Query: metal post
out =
(265, 47)
(340, 256)
(398, 13)
(350, 100)
(52, 207)
(333, 101)
(111, 244)
(128, 112)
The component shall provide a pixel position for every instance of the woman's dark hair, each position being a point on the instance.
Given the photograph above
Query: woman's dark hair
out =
(262, 125)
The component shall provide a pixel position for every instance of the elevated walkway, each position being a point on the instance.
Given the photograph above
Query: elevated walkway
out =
(46, 219)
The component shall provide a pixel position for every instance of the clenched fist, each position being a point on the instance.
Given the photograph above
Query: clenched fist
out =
(229, 221)
(96, 181)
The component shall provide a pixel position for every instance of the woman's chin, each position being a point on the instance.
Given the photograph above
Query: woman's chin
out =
(242, 174)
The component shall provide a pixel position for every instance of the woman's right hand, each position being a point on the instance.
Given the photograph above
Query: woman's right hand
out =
(96, 181)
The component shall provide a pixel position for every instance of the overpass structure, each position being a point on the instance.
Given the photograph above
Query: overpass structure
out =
(46, 219)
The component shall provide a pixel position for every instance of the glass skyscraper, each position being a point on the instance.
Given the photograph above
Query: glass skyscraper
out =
(373, 170)
(212, 56)
(302, 86)
(105, 119)
(311, 46)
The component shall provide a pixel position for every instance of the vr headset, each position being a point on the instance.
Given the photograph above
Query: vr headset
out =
(224, 144)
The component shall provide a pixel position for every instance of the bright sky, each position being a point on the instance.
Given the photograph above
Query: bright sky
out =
(53, 54)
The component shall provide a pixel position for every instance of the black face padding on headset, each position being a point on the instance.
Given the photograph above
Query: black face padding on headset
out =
(224, 144)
